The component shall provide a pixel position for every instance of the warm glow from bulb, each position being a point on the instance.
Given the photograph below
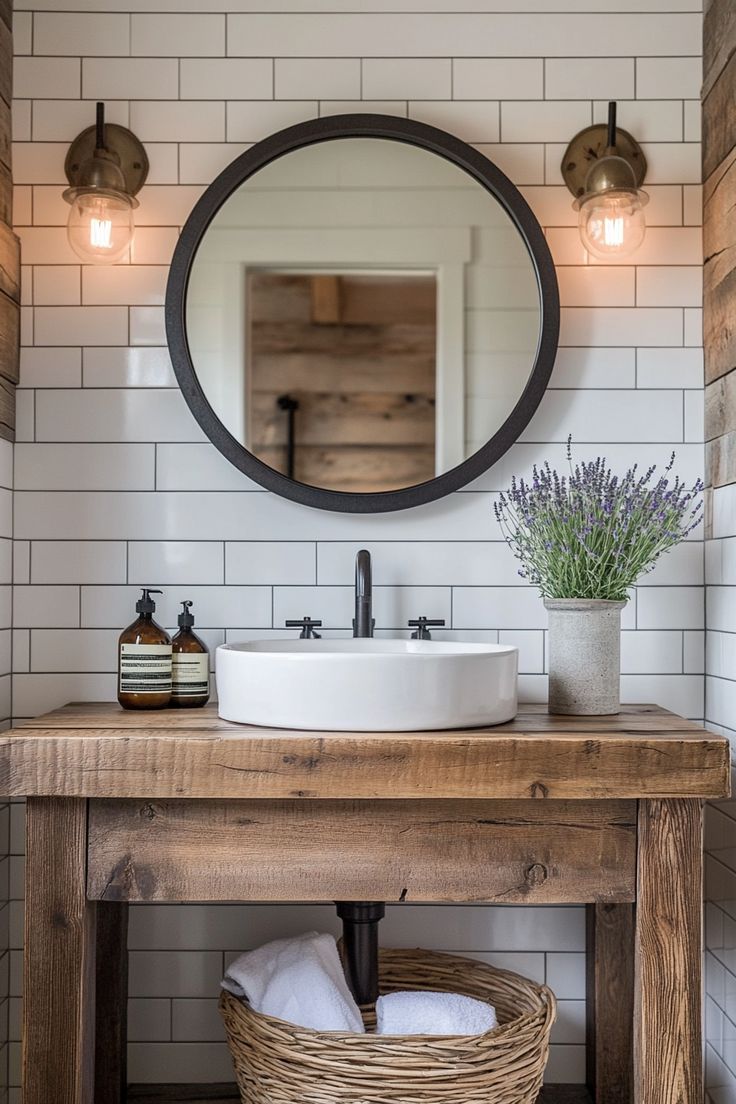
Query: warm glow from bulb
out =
(613, 232)
(100, 227)
(612, 223)
(100, 233)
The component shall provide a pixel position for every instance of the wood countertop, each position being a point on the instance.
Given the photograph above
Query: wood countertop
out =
(101, 750)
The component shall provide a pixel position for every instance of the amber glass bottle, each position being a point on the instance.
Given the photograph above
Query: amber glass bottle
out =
(190, 664)
(144, 660)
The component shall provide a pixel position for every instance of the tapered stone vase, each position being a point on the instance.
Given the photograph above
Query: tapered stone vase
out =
(584, 655)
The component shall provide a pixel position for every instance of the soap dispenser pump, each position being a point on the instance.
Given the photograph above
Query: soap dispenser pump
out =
(144, 659)
(190, 664)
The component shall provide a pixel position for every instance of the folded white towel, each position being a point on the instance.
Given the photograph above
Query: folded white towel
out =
(298, 980)
(424, 1013)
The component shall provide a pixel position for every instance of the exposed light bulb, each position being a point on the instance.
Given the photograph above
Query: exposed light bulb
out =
(101, 194)
(100, 227)
(612, 223)
(609, 200)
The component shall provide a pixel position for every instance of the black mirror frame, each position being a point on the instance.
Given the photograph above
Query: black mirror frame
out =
(399, 130)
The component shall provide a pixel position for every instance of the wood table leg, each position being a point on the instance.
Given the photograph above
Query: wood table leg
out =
(111, 1034)
(667, 1020)
(59, 956)
(610, 1002)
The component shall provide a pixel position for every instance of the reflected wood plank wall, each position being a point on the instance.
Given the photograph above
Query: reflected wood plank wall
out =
(9, 246)
(359, 357)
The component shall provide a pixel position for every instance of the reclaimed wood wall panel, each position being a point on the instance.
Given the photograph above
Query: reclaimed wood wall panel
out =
(719, 240)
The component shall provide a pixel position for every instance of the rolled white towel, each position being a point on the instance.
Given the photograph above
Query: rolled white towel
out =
(424, 1013)
(298, 980)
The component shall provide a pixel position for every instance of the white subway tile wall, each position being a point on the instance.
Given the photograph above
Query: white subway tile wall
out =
(116, 486)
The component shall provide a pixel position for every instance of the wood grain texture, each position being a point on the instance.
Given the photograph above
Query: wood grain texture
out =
(532, 718)
(324, 339)
(508, 852)
(59, 957)
(9, 263)
(667, 1021)
(9, 356)
(6, 194)
(362, 374)
(719, 40)
(720, 461)
(641, 753)
(6, 62)
(720, 406)
(100, 750)
(334, 419)
(111, 1021)
(5, 133)
(719, 275)
(610, 1002)
(390, 467)
(719, 234)
(719, 131)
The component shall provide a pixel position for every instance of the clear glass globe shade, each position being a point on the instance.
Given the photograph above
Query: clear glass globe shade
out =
(100, 227)
(612, 225)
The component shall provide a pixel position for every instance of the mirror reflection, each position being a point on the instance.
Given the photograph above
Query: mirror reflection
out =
(362, 315)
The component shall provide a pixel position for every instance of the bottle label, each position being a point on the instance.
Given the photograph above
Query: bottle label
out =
(145, 668)
(190, 674)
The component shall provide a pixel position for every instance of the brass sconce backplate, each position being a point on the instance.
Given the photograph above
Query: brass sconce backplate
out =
(590, 144)
(119, 141)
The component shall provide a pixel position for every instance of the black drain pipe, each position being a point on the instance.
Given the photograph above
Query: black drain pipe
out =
(360, 921)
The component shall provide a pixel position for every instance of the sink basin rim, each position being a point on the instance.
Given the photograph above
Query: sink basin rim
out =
(367, 648)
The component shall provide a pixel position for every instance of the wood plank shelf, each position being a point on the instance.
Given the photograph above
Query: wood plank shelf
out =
(226, 1094)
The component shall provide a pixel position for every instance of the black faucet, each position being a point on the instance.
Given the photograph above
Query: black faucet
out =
(363, 622)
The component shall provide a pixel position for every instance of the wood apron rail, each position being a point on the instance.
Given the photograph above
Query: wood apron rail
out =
(164, 806)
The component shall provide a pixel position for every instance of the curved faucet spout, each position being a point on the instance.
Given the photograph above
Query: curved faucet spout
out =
(363, 622)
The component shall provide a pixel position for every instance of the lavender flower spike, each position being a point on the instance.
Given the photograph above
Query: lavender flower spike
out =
(591, 534)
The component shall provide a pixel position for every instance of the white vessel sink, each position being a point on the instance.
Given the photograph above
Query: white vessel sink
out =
(366, 685)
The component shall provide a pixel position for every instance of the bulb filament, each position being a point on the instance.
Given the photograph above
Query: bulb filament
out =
(613, 232)
(100, 233)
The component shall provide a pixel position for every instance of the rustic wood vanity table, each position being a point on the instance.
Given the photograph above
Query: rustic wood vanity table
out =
(182, 806)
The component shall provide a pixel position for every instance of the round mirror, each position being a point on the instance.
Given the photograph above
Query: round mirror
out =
(362, 313)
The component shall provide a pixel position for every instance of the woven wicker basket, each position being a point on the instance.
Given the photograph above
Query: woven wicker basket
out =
(278, 1063)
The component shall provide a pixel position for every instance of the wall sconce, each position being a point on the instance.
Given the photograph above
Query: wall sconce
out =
(604, 167)
(106, 166)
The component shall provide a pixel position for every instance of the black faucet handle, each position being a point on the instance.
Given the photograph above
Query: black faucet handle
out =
(423, 625)
(307, 625)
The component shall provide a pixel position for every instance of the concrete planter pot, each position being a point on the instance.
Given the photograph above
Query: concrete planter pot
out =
(584, 655)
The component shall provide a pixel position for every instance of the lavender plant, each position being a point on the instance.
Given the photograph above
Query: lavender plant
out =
(591, 534)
